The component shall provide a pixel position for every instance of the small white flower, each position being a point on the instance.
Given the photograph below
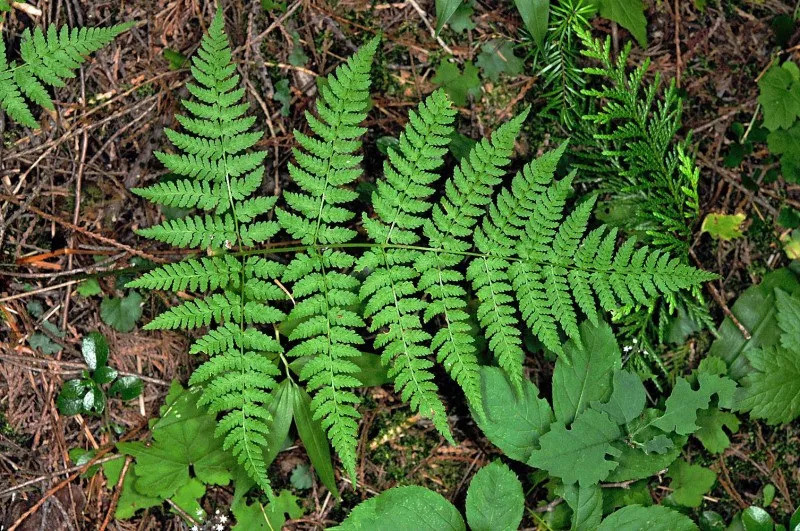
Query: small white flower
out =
(219, 527)
(635, 340)
(223, 518)
(216, 512)
(195, 528)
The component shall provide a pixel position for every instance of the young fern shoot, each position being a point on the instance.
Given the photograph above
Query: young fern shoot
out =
(406, 278)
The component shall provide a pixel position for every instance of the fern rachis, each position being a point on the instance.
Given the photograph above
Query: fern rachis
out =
(405, 277)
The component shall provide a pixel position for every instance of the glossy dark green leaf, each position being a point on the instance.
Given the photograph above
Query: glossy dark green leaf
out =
(95, 350)
(70, 399)
(104, 374)
(794, 522)
(756, 519)
(127, 387)
(314, 439)
(711, 521)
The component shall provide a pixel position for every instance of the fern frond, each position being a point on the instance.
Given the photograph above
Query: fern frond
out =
(219, 172)
(501, 229)
(391, 297)
(450, 228)
(48, 59)
(324, 167)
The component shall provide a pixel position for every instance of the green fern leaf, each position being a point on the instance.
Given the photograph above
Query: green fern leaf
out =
(450, 229)
(392, 299)
(48, 59)
(219, 174)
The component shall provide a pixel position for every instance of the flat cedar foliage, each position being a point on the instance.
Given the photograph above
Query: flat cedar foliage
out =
(395, 299)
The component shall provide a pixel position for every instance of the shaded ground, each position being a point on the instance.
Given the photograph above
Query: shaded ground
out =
(100, 144)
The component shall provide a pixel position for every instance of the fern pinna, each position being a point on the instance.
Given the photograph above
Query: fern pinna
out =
(48, 59)
(406, 277)
(218, 173)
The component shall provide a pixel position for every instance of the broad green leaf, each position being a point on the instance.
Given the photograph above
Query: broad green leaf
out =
(629, 14)
(711, 432)
(313, 437)
(637, 493)
(586, 504)
(712, 521)
(444, 10)
(535, 15)
(786, 142)
(372, 372)
(495, 501)
(497, 57)
(127, 387)
(587, 377)
(43, 342)
(281, 409)
(458, 85)
(779, 96)
(183, 441)
(627, 398)
(269, 517)
(70, 399)
(581, 453)
(187, 497)
(461, 20)
(404, 509)
(690, 483)
(513, 423)
(122, 313)
(755, 310)
(653, 518)
(636, 463)
(175, 58)
(788, 319)
(771, 391)
(89, 287)
(794, 522)
(131, 500)
(724, 226)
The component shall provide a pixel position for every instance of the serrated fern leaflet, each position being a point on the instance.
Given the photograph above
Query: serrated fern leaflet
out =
(407, 277)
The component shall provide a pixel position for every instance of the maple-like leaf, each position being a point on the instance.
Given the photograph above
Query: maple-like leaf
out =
(684, 402)
(579, 454)
(772, 390)
(788, 316)
(779, 97)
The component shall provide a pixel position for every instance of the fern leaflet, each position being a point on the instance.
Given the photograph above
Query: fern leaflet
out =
(47, 59)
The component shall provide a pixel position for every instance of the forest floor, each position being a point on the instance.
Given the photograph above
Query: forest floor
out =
(67, 209)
